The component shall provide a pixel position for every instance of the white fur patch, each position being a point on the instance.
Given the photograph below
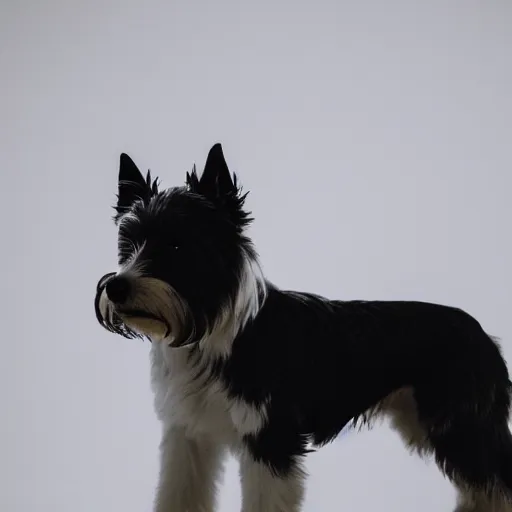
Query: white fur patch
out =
(247, 418)
(264, 492)
(197, 403)
(190, 472)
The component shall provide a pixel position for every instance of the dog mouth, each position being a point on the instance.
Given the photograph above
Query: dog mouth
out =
(138, 313)
(137, 316)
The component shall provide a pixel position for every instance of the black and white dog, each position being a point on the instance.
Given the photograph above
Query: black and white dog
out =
(240, 365)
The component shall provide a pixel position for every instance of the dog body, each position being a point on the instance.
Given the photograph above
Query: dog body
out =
(268, 374)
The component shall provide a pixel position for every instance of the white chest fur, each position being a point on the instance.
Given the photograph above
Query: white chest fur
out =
(196, 402)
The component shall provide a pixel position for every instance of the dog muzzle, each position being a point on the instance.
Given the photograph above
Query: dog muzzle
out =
(140, 306)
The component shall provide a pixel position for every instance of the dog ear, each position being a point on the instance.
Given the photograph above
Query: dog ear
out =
(219, 186)
(132, 185)
(216, 181)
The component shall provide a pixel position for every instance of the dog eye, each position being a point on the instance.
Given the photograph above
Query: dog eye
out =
(174, 243)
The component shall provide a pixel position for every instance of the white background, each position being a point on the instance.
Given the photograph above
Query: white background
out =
(374, 138)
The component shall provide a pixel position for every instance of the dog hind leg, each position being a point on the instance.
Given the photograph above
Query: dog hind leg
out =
(474, 452)
(402, 410)
(466, 417)
(478, 459)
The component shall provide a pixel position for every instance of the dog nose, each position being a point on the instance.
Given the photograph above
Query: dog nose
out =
(118, 289)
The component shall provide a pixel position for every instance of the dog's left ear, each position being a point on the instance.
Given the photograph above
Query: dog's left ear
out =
(219, 186)
(132, 186)
(216, 178)
(216, 181)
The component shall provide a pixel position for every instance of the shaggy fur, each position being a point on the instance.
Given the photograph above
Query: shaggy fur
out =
(239, 364)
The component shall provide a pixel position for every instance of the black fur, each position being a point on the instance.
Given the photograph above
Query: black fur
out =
(318, 364)
(325, 363)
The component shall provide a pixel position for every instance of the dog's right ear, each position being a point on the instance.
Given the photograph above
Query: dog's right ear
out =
(132, 186)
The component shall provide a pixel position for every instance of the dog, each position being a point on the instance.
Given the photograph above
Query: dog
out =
(240, 365)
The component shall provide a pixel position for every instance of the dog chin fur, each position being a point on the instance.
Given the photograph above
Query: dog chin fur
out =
(239, 365)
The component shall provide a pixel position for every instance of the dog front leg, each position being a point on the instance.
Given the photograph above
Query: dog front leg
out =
(190, 469)
(265, 491)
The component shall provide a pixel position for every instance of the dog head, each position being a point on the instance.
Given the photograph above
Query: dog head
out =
(187, 271)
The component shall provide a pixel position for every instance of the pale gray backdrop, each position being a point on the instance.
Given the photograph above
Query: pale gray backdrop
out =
(374, 137)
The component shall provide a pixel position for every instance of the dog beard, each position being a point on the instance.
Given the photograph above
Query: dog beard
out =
(155, 310)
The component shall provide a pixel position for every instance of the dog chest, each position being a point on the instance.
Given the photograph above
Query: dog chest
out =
(201, 405)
